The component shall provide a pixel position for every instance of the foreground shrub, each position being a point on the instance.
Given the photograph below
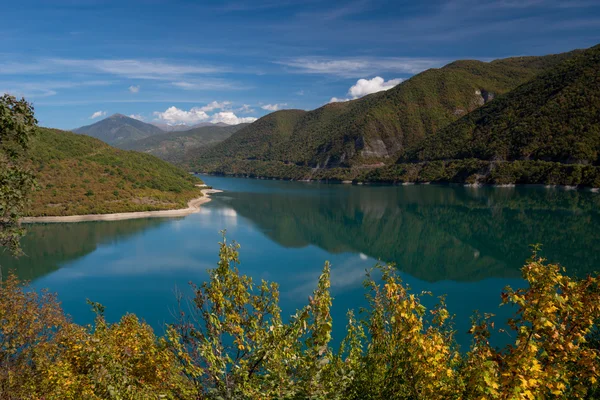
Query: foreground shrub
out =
(234, 344)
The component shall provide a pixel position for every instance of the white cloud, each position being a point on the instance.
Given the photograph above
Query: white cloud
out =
(230, 118)
(338, 100)
(136, 116)
(300, 92)
(364, 87)
(174, 116)
(273, 107)
(134, 88)
(98, 114)
(215, 105)
(245, 109)
(354, 67)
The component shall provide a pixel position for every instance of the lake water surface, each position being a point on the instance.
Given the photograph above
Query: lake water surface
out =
(466, 243)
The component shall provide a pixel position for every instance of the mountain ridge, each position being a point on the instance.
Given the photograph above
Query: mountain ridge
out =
(377, 128)
(119, 129)
(172, 146)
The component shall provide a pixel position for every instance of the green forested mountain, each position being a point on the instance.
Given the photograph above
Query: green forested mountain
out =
(553, 117)
(172, 146)
(118, 130)
(78, 174)
(374, 129)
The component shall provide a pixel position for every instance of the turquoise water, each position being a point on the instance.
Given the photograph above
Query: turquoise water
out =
(467, 243)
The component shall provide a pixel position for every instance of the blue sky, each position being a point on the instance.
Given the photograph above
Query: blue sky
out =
(194, 61)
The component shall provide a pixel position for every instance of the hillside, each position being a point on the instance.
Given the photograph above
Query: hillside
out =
(78, 174)
(554, 117)
(172, 146)
(118, 130)
(374, 129)
(545, 131)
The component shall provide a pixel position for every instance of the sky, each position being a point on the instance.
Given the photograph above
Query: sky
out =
(234, 61)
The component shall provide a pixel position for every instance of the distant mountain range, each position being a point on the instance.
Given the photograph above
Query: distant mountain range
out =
(512, 113)
(168, 142)
(184, 127)
(173, 146)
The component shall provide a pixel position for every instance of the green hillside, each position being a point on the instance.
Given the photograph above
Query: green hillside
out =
(172, 146)
(118, 130)
(545, 131)
(374, 129)
(554, 117)
(78, 174)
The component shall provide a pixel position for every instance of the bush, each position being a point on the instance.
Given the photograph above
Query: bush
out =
(234, 344)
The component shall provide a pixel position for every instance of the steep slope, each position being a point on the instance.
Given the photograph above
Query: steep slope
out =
(118, 130)
(78, 174)
(259, 138)
(554, 117)
(172, 146)
(376, 128)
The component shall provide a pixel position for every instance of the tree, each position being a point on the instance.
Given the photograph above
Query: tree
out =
(17, 126)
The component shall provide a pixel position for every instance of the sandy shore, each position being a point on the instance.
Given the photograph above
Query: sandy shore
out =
(193, 207)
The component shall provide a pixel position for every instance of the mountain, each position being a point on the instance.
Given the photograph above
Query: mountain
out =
(171, 128)
(78, 174)
(377, 128)
(119, 129)
(553, 117)
(173, 146)
(545, 131)
(184, 127)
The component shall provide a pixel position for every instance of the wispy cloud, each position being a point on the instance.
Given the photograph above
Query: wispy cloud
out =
(354, 67)
(139, 117)
(138, 69)
(245, 109)
(208, 84)
(134, 88)
(98, 114)
(273, 107)
(215, 105)
(129, 68)
(45, 88)
(339, 12)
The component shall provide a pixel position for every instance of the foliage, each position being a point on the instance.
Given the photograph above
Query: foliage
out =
(553, 117)
(79, 175)
(44, 355)
(17, 126)
(234, 344)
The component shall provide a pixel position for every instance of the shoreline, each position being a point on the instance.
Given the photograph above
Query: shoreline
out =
(193, 207)
(578, 188)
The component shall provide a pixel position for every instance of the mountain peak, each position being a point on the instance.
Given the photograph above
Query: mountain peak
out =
(119, 129)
